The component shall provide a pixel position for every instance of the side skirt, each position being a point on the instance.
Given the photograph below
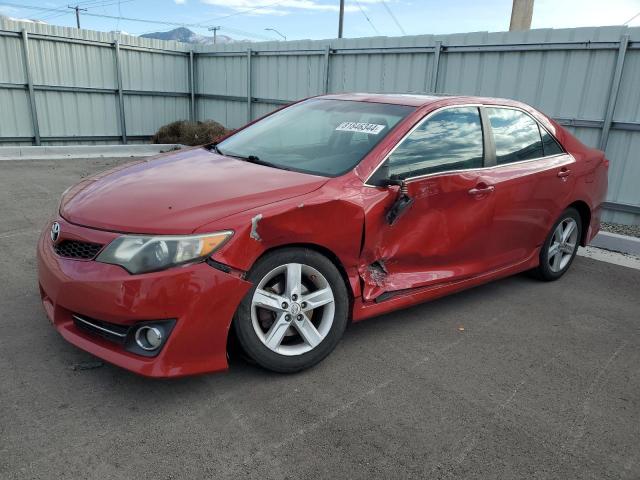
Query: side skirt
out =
(391, 301)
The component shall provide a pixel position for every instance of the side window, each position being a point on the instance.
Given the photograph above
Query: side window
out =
(449, 140)
(549, 144)
(516, 135)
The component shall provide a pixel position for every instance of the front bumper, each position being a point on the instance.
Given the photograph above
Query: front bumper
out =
(201, 299)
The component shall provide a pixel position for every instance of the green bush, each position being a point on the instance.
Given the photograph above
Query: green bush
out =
(190, 133)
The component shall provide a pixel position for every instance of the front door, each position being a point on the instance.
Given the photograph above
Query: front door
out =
(442, 235)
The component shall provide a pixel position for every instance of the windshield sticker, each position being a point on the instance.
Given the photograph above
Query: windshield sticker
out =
(369, 128)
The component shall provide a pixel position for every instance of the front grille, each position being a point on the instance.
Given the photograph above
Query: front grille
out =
(77, 249)
(110, 331)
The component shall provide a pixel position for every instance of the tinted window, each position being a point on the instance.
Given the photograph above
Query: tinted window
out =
(516, 135)
(321, 136)
(449, 140)
(549, 144)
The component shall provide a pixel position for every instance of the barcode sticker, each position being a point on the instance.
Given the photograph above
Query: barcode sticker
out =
(370, 128)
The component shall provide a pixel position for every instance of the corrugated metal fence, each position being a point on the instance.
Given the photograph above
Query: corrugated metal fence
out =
(63, 85)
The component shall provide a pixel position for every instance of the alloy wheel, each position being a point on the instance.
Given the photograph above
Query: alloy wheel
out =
(292, 309)
(563, 244)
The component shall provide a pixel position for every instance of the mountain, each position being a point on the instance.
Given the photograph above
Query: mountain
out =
(26, 20)
(185, 35)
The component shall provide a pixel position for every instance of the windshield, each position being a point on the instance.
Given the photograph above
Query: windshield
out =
(319, 136)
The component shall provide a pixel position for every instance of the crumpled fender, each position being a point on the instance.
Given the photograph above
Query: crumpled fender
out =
(331, 218)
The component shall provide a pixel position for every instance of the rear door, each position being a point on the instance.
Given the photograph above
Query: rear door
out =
(532, 180)
(442, 235)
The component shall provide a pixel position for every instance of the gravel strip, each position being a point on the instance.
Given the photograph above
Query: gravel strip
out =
(631, 230)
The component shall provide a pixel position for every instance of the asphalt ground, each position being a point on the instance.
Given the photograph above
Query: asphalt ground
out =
(514, 379)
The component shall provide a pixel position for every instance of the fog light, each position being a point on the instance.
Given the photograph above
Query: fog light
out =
(149, 338)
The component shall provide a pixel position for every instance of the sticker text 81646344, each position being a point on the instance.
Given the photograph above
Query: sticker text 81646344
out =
(370, 128)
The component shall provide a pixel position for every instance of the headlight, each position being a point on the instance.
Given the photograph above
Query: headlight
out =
(140, 254)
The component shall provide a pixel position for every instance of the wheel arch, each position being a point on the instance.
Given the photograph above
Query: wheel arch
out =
(585, 216)
(233, 345)
(323, 251)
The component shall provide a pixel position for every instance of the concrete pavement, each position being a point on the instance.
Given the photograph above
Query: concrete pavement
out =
(514, 379)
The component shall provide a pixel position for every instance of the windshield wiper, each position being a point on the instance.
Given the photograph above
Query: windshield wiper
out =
(255, 159)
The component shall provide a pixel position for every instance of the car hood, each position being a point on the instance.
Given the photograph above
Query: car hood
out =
(178, 192)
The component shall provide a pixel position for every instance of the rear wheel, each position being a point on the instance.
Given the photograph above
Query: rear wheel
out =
(296, 311)
(561, 246)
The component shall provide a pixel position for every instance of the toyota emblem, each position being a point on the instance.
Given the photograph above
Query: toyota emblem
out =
(55, 232)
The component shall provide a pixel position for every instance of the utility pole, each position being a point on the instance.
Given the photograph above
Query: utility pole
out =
(521, 14)
(215, 31)
(78, 10)
(341, 21)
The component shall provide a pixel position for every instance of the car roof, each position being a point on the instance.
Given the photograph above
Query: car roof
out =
(419, 100)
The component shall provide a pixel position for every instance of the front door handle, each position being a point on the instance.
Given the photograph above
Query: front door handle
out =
(564, 173)
(481, 189)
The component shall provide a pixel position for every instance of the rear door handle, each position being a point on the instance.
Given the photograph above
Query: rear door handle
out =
(564, 173)
(481, 189)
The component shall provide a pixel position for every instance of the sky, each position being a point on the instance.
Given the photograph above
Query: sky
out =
(318, 19)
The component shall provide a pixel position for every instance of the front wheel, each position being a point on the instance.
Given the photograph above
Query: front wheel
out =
(561, 246)
(296, 311)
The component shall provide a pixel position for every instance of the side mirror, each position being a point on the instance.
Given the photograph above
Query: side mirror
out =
(382, 176)
(392, 180)
(402, 202)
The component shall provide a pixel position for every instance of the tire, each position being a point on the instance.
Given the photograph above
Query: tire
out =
(554, 262)
(296, 311)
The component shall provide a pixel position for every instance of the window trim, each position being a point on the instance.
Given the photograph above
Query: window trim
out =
(488, 143)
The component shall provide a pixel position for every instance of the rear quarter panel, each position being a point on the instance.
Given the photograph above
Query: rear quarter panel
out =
(591, 171)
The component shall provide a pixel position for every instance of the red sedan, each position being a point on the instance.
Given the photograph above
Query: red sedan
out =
(331, 210)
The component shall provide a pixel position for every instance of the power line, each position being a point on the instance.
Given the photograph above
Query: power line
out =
(242, 12)
(175, 24)
(31, 7)
(384, 4)
(86, 3)
(367, 17)
(631, 19)
(142, 20)
(54, 11)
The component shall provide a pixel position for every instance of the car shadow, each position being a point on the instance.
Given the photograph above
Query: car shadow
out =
(242, 372)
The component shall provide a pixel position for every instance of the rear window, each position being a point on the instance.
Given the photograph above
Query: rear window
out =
(516, 135)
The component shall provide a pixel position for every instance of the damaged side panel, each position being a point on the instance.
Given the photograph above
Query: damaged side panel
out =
(440, 237)
(320, 219)
(254, 228)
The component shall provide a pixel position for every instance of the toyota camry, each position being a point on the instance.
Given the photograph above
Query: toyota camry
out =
(328, 211)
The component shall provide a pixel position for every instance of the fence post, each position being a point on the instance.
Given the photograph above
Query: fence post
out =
(249, 85)
(327, 54)
(613, 92)
(433, 81)
(192, 87)
(32, 98)
(123, 123)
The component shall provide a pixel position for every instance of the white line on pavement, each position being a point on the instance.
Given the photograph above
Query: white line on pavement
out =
(616, 258)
